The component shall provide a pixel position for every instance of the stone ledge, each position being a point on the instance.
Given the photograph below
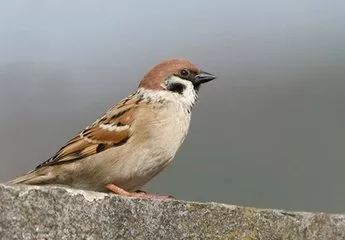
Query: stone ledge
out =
(52, 212)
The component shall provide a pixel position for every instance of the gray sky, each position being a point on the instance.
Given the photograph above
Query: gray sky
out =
(268, 133)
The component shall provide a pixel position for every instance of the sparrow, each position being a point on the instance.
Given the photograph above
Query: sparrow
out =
(134, 140)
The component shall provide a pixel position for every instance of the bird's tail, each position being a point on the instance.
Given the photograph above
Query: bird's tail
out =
(32, 178)
(22, 179)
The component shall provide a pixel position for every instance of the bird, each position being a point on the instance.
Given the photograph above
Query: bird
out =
(134, 140)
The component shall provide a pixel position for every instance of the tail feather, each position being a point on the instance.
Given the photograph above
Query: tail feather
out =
(32, 178)
(22, 179)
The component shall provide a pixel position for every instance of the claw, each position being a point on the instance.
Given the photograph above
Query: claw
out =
(137, 194)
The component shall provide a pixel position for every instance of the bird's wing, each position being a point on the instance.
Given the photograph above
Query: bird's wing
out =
(111, 130)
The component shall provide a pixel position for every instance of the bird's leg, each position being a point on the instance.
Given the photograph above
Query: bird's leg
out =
(137, 194)
(117, 190)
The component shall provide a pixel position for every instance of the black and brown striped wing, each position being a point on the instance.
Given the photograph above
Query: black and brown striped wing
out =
(112, 130)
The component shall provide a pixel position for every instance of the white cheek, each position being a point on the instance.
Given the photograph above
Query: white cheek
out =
(189, 92)
(186, 100)
(188, 96)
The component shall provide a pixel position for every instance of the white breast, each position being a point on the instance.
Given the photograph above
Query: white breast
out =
(156, 144)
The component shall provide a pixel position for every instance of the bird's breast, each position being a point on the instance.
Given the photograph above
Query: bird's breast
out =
(163, 128)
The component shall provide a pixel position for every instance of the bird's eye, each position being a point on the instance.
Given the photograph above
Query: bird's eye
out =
(184, 73)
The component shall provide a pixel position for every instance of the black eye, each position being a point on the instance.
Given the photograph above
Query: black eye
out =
(184, 73)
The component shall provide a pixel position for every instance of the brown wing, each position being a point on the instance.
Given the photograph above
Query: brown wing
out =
(113, 129)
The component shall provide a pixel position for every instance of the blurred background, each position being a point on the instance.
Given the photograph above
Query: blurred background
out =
(269, 132)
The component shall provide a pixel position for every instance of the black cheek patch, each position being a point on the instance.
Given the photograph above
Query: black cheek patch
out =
(176, 87)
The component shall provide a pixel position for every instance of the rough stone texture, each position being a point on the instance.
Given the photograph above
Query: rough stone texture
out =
(62, 213)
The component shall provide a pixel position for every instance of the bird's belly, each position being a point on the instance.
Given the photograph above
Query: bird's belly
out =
(137, 172)
(144, 162)
(150, 156)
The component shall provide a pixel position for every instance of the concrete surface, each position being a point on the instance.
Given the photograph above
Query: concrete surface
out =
(54, 212)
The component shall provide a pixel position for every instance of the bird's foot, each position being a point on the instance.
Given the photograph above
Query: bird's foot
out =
(155, 196)
(137, 194)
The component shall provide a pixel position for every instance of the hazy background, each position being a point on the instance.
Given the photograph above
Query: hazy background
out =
(268, 133)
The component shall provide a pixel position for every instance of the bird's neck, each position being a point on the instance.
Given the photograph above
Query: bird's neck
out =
(185, 101)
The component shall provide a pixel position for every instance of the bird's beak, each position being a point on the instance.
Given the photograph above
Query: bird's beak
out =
(204, 77)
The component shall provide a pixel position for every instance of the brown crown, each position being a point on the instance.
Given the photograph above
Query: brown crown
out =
(155, 77)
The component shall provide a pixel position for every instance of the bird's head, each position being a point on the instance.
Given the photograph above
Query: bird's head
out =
(178, 77)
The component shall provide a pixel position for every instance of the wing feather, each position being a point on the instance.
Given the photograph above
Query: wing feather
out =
(111, 130)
